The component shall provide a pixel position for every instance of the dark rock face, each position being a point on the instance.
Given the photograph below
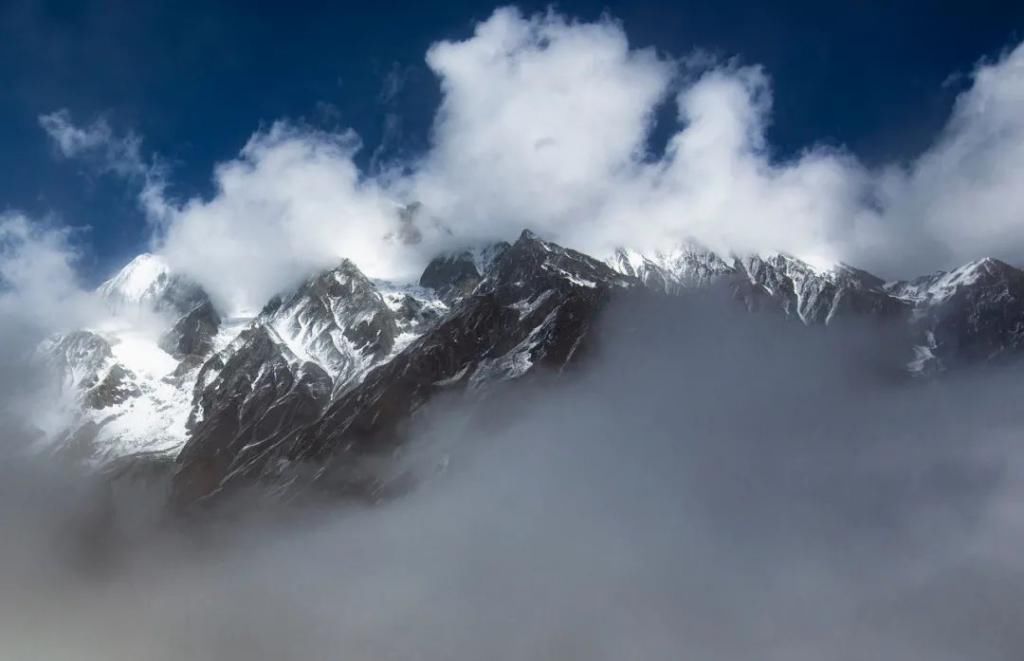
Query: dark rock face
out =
(456, 275)
(192, 335)
(985, 321)
(451, 272)
(116, 387)
(337, 320)
(533, 309)
(258, 395)
(281, 372)
(411, 314)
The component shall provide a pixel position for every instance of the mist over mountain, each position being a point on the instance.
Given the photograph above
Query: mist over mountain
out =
(734, 484)
(539, 390)
(530, 453)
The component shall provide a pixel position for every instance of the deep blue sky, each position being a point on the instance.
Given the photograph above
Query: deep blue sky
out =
(196, 78)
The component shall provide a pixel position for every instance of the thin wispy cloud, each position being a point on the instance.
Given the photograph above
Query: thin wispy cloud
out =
(109, 151)
(97, 140)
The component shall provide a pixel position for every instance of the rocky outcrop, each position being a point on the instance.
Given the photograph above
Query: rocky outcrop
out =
(191, 337)
(455, 275)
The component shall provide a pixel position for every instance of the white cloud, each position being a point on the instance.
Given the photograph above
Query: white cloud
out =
(965, 195)
(119, 154)
(73, 140)
(717, 182)
(111, 152)
(292, 202)
(39, 288)
(544, 123)
(39, 295)
(539, 116)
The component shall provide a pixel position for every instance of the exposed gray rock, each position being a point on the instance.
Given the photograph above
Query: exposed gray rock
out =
(192, 335)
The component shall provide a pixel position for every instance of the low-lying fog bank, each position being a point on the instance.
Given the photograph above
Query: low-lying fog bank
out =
(708, 485)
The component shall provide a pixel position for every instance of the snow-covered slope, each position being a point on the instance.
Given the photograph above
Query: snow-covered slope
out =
(140, 380)
(939, 287)
(129, 377)
(121, 383)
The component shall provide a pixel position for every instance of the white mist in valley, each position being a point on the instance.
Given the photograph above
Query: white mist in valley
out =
(707, 484)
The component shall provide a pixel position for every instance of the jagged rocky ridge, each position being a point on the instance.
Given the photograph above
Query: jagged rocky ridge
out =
(328, 374)
(532, 307)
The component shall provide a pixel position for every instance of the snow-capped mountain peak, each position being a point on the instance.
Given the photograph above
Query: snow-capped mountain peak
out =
(139, 279)
(337, 320)
(148, 283)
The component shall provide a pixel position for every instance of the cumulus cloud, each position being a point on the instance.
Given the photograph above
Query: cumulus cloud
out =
(717, 181)
(539, 115)
(292, 202)
(545, 123)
